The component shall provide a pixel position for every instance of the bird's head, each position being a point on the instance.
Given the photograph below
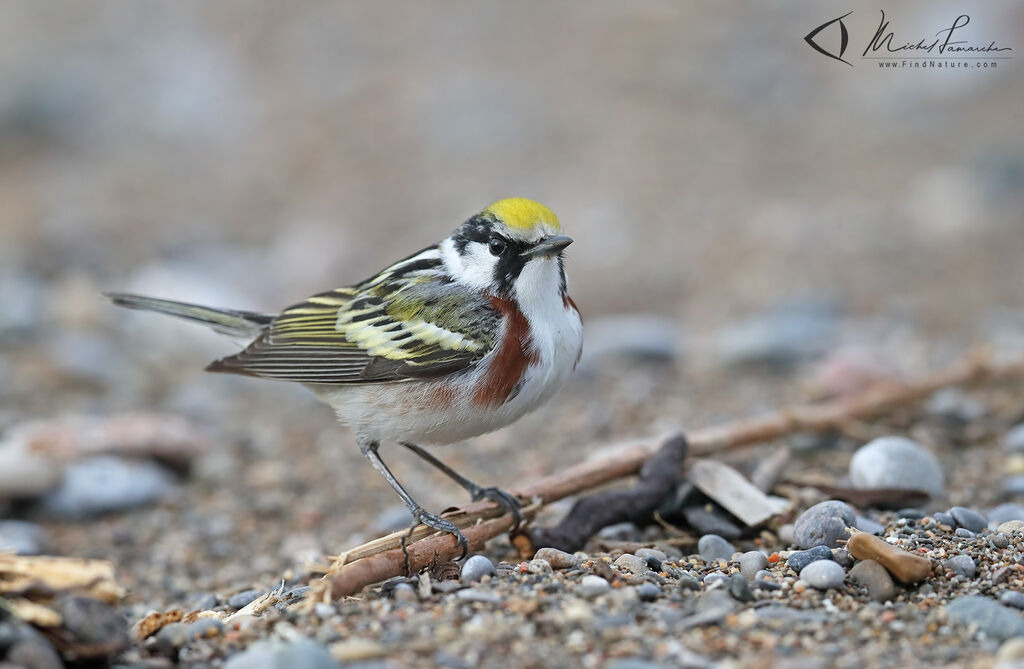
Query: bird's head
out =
(512, 248)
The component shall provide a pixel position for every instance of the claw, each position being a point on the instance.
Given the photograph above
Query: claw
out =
(442, 525)
(503, 499)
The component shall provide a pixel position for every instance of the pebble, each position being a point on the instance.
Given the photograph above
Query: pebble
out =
(170, 638)
(538, 566)
(968, 519)
(1013, 440)
(24, 474)
(999, 541)
(90, 621)
(1013, 485)
(403, 592)
(476, 567)
(592, 585)
(1011, 654)
(715, 577)
(1014, 598)
(1006, 512)
(21, 537)
(752, 562)
(105, 484)
(648, 553)
(963, 533)
(688, 582)
(896, 462)
(867, 525)
(906, 567)
(648, 592)
(843, 557)
(955, 404)
(33, 653)
(780, 336)
(873, 577)
(713, 547)
(823, 574)
(740, 589)
(824, 524)
(203, 601)
(633, 564)
(353, 650)
(911, 514)
(558, 559)
(476, 595)
(763, 581)
(242, 599)
(1010, 526)
(991, 617)
(962, 565)
(302, 653)
(798, 560)
(943, 518)
(710, 522)
(205, 628)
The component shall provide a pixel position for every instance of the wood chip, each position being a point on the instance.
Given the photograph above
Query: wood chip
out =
(24, 574)
(734, 492)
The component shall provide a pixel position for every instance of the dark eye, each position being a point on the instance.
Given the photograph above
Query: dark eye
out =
(497, 246)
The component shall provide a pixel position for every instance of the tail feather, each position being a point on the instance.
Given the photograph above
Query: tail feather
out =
(226, 321)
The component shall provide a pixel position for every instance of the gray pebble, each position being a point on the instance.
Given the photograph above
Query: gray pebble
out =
(739, 589)
(538, 566)
(780, 336)
(1013, 485)
(824, 524)
(557, 559)
(823, 574)
(302, 653)
(323, 610)
(943, 518)
(955, 404)
(911, 514)
(592, 585)
(205, 628)
(203, 601)
(476, 567)
(752, 562)
(962, 565)
(633, 564)
(867, 525)
(242, 599)
(105, 484)
(647, 553)
(1005, 513)
(404, 592)
(34, 653)
(648, 592)
(896, 462)
(713, 547)
(21, 537)
(1014, 598)
(798, 560)
(170, 638)
(964, 533)
(688, 582)
(991, 617)
(843, 557)
(1013, 440)
(90, 621)
(711, 522)
(999, 541)
(875, 579)
(763, 581)
(715, 577)
(475, 595)
(968, 519)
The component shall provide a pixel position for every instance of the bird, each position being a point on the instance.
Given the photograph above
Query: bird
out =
(454, 341)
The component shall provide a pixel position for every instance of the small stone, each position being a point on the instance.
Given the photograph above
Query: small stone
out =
(476, 567)
(23, 473)
(1014, 598)
(911, 514)
(91, 622)
(592, 585)
(823, 574)
(105, 484)
(873, 577)
(1011, 526)
(798, 560)
(955, 404)
(896, 462)
(1013, 440)
(867, 525)
(943, 518)
(711, 522)
(353, 650)
(403, 592)
(1006, 512)
(476, 595)
(963, 533)
(968, 519)
(1013, 485)
(648, 592)
(323, 610)
(991, 617)
(715, 577)
(752, 562)
(633, 564)
(713, 547)
(843, 558)
(780, 336)
(763, 581)
(739, 589)
(203, 601)
(688, 582)
(962, 565)
(171, 638)
(906, 567)
(1011, 654)
(21, 537)
(205, 628)
(824, 524)
(557, 559)
(999, 540)
(537, 566)
(1002, 574)
(647, 553)
(33, 653)
(242, 599)
(301, 653)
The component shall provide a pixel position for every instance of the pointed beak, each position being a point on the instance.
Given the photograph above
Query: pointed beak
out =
(548, 247)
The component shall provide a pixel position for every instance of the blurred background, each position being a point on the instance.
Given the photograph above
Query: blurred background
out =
(743, 207)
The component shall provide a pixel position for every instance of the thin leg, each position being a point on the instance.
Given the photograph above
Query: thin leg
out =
(369, 449)
(503, 499)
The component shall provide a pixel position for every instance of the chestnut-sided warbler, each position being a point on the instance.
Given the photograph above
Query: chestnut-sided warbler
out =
(456, 340)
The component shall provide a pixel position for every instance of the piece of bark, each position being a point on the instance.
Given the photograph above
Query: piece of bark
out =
(589, 515)
(40, 575)
(733, 492)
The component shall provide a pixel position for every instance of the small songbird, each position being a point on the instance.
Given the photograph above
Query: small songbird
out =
(454, 341)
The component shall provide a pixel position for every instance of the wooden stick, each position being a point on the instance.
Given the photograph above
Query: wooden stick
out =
(383, 558)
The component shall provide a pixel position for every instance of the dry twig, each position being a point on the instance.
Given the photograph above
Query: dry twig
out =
(383, 558)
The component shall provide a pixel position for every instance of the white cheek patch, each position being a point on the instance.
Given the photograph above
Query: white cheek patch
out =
(474, 268)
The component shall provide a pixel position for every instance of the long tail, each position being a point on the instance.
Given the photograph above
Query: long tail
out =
(226, 321)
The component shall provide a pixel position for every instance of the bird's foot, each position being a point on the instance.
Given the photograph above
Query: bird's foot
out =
(503, 499)
(442, 525)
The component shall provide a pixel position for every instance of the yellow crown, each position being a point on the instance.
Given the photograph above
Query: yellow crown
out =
(522, 214)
